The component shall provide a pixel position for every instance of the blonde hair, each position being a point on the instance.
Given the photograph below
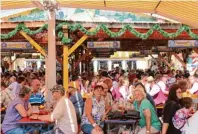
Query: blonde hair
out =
(141, 90)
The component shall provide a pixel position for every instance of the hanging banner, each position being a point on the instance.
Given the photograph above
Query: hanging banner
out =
(183, 43)
(16, 46)
(103, 44)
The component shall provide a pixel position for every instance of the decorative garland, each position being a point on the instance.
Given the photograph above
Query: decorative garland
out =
(22, 27)
(77, 26)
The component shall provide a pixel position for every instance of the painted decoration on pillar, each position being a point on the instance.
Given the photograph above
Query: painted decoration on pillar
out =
(183, 43)
(15, 45)
(103, 44)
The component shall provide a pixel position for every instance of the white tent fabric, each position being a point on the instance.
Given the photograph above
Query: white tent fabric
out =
(183, 11)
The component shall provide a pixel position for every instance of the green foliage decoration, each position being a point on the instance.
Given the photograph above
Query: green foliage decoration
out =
(78, 26)
(22, 27)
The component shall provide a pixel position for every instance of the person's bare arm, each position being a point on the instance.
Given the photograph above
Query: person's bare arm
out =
(20, 108)
(88, 111)
(42, 117)
(45, 118)
(147, 115)
(164, 128)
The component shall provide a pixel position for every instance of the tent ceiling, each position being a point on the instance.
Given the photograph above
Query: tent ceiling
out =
(182, 11)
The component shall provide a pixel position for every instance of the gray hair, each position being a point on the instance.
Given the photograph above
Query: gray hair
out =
(24, 91)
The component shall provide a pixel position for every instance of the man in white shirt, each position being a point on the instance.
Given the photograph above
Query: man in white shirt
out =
(194, 81)
(14, 86)
(160, 85)
(64, 114)
(158, 91)
(149, 84)
(124, 89)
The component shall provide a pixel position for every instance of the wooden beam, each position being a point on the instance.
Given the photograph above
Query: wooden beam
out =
(59, 60)
(196, 50)
(78, 43)
(164, 60)
(85, 47)
(65, 67)
(36, 45)
(87, 53)
(179, 59)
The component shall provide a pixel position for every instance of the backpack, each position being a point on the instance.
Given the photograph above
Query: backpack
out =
(180, 118)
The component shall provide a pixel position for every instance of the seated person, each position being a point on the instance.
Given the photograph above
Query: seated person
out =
(148, 96)
(36, 98)
(191, 126)
(64, 114)
(181, 116)
(94, 111)
(149, 122)
(194, 83)
(16, 110)
(6, 95)
(77, 100)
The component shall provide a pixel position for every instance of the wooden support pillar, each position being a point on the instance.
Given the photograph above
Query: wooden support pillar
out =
(65, 67)
(82, 62)
(164, 60)
(180, 60)
(51, 53)
(76, 71)
(66, 53)
(169, 55)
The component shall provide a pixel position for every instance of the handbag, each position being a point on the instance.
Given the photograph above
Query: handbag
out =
(115, 115)
(126, 115)
(132, 114)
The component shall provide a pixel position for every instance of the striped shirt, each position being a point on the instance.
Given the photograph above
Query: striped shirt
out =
(37, 98)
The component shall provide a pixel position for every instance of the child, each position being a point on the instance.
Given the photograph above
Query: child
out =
(181, 116)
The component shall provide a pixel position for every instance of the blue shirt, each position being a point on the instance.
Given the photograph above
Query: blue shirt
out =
(78, 102)
(37, 98)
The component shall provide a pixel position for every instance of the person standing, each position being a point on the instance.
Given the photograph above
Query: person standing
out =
(170, 108)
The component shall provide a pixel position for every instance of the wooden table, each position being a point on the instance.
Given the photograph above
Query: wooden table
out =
(39, 125)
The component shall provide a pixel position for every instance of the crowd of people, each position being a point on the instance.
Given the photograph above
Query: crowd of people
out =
(89, 99)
